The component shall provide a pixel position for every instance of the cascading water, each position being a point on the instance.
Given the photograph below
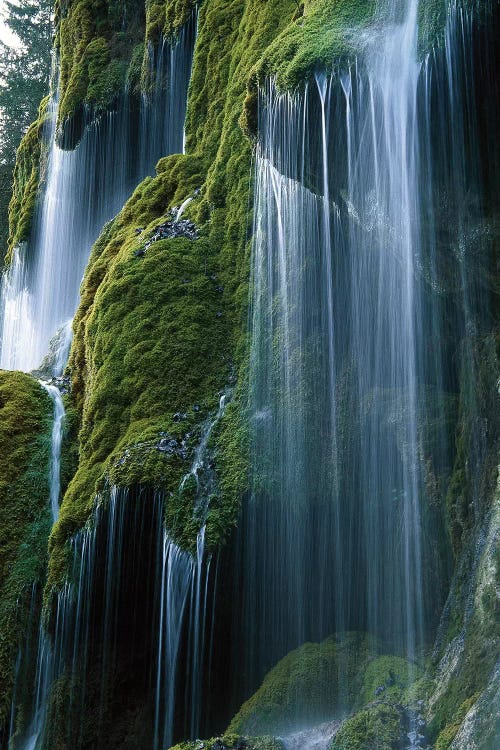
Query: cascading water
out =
(85, 188)
(134, 608)
(57, 434)
(349, 397)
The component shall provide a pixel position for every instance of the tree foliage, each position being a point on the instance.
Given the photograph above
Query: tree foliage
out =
(24, 80)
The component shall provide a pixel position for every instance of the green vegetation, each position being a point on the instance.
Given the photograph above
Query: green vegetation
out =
(377, 727)
(232, 742)
(25, 428)
(317, 682)
(392, 673)
(24, 80)
(30, 161)
(325, 33)
(166, 18)
(97, 41)
(469, 638)
(164, 333)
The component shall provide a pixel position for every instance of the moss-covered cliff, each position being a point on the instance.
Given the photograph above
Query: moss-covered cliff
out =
(180, 302)
(25, 427)
(160, 334)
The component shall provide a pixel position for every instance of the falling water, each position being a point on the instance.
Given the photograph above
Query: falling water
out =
(85, 188)
(349, 395)
(55, 459)
(134, 608)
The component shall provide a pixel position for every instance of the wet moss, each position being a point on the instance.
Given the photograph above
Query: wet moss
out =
(25, 430)
(468, 642)
(448, 734)
(157, 334)
(166, 18)
(326, 34)
(391, 676)
(314, 683)
(377, 727)
(28, 177)
(97, 45)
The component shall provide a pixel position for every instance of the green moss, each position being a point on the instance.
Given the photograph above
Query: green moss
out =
(28, 176)
(448, 734)
(465, 663)
(25, 429)
(314, 683)
(326, 34)
(393, 674)
(166, 18)
(377, 727)
(97, 56)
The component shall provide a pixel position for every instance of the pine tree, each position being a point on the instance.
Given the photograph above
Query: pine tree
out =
(24, 81)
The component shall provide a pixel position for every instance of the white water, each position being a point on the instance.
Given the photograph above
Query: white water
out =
(57, 434)
(317, 738)
(183, 207)
(183, 588)
(200, 470)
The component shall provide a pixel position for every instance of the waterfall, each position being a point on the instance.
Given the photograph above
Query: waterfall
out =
(349, 394)
(55, 459)
(134, 608)
(84, 188)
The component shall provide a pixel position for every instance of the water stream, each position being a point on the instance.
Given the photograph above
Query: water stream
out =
(57, 435)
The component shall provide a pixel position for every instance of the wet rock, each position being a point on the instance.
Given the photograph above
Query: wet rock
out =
(196, 407)
(139, 230)
(172, 447)
(180, 416)
(219, 289)
(171, 229)
(63, 384)
(218, 314)
(379, 690)
(140, 253)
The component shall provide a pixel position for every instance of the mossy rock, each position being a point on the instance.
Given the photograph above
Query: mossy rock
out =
(323, 35)
(29, 175)
(389, 676)
(378, 727)
(25, 439)
(97, 42)
(312, 684)
(468, 642)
